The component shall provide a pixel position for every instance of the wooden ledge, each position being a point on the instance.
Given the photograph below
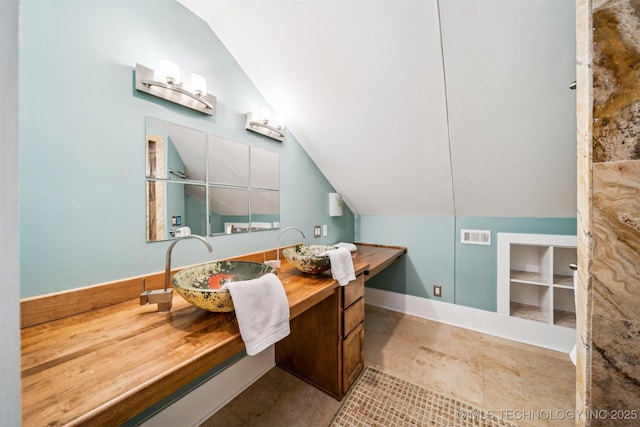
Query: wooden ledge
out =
(58, 305)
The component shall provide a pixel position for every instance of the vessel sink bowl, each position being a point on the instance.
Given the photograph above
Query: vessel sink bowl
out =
(308, 258)
(201, 284)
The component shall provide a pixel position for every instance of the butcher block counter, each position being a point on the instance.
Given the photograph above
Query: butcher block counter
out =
(83, 364)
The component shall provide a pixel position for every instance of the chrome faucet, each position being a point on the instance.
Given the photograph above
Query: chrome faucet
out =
(278, 241)
(164, 297)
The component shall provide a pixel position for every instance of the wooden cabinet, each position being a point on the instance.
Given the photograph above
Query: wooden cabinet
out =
(352, 331)
(352, 357)
(534, 278)
(326, 344)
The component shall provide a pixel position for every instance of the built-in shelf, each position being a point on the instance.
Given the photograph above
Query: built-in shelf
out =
(534, 278)
(530, 312)
(527, 277)
(563, 281)
(564, 318)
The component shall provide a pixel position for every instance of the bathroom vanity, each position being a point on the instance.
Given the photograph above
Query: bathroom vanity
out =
(310, 351)
(95, 356)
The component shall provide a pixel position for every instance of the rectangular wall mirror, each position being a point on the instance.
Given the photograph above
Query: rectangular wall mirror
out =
(203, 184)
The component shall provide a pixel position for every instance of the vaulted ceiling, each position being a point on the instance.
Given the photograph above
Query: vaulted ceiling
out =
(419, 107)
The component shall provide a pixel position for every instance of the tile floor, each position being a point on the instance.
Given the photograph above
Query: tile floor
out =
(524, 384)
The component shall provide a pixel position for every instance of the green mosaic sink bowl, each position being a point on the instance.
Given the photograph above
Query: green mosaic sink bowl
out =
(201, 284)
(307, 258)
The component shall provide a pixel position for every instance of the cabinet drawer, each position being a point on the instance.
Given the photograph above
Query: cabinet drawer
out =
(353, 290)
(353, 316)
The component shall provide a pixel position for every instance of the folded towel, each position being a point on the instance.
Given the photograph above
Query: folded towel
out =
(350, 246)
(341, 265)
(262, 310)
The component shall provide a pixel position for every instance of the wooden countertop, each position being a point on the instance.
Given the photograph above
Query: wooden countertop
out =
(106, 365)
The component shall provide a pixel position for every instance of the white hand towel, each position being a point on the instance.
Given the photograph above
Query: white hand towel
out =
(262, 310)
(350, 246)
(341, 265)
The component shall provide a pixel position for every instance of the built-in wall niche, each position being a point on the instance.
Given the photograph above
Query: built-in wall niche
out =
(535, 281)
(204, 184)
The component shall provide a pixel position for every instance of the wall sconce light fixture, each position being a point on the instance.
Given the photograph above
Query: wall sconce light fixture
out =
(335, 204)
(166, 83)
(265, 126)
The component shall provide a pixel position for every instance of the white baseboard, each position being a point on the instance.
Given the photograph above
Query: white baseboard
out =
(526, 331)
(201, 403)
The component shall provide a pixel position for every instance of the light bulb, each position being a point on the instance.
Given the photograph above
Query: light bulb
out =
(199, 84)
(170, 72)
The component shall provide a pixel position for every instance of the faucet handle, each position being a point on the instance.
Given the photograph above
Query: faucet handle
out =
(273, 263)
(164, 306)
(144, 295)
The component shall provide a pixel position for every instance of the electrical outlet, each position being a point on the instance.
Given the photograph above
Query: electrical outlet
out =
(316, 231)
(325, 230)
(437, 291)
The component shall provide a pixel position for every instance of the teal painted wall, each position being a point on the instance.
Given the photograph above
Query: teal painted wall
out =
(82, 130)
(430, 257)
(476, 274)
(467, 273)
(194, 215)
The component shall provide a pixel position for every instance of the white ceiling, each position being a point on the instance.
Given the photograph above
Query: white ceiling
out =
(361, 85)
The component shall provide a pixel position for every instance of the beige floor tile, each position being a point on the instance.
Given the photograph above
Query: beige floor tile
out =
(277, 399)
(225, 417)
(525, 400)
(491, 372)
(483, 350)
(391, 354)
(539, 350)
(448, 375)
(546, 367)
(425, 333)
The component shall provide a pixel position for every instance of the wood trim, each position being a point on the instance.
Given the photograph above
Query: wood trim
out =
(376, 268)
(376, 245)
(50, 307)
(46, 308)
(58, 305)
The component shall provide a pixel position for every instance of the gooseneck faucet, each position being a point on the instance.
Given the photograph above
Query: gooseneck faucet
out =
(278, 240)
(167, 268)
(164, 297)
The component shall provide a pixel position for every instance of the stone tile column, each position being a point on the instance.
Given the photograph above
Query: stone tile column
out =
(608, 380)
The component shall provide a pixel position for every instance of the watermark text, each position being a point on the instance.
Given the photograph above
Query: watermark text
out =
(548, 414)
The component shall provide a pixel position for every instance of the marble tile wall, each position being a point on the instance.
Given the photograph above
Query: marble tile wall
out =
(609, 322)
(585, 242)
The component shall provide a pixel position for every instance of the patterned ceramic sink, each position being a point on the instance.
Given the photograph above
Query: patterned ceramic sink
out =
(307, 258)
(201, 285)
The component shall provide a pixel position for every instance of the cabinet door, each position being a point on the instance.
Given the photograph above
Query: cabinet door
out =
(311, 351)
(352, 357)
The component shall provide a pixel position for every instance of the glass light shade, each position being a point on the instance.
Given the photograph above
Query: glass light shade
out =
(335, 204)
(170, 72)
(276, 121)
(198, 84)
(265, 115)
